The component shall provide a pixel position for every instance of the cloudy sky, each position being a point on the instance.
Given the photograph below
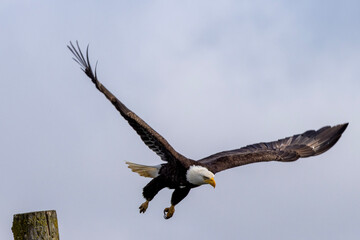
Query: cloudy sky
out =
(208, 76)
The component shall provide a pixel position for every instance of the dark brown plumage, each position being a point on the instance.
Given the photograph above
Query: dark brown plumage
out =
(181, 173)
(310, 143)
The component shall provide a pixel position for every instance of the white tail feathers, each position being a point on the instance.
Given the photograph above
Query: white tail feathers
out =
(145, 171)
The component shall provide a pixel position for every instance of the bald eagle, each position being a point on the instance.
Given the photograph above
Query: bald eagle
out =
(181, 173)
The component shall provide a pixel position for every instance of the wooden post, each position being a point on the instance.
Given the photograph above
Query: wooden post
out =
(36, 225)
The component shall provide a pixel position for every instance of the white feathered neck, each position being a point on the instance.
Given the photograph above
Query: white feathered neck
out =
(197, 174)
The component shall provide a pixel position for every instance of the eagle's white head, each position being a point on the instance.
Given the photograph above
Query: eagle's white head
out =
(199, 175)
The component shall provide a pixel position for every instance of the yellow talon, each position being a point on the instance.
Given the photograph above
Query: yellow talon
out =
(144, 206)
(168, 212)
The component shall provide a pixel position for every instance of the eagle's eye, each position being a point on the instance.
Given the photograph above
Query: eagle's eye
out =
(205, 178)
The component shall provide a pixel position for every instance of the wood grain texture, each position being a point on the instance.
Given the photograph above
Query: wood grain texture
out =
(35, 225)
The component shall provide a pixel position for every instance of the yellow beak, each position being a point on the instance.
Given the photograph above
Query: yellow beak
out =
(211, 181)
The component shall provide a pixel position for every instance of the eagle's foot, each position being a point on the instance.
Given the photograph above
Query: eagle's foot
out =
(144, 206)
(168, 212)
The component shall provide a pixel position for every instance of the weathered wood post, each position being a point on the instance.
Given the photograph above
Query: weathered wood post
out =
(36, 225)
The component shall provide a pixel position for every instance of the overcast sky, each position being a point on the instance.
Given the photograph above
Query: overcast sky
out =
(208, 76)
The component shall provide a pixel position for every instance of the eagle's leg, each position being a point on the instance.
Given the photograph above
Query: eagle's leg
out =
(150, 190)
(178, 195)
(169, 212)
(144, 206)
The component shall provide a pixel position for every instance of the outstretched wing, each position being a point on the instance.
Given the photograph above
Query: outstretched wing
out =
(149, 136)
(310, 143)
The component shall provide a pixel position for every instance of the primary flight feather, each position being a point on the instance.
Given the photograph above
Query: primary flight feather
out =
(181, 173)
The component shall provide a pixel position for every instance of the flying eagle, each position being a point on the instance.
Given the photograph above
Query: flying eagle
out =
(181, 173)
